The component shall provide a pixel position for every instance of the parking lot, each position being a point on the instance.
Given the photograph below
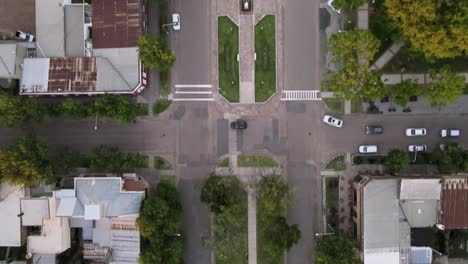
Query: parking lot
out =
(17, 15)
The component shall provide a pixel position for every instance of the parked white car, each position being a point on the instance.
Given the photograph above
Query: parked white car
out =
(332, 121)
(24, 36)
(450, 133)
(367, 149)
(418, 148)
(176, 21)
(412, 132)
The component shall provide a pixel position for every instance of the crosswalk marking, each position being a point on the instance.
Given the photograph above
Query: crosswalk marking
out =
(193, 92)
(193, 86)
(307, 95)
(193, 99)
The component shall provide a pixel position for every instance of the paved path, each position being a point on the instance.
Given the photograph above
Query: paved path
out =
(246, 59)
(386, 56)
(421, 78)
(252, 225)
(363, 17)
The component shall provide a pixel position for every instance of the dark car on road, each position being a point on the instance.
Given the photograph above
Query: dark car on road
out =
(374, 130)
(239, 124)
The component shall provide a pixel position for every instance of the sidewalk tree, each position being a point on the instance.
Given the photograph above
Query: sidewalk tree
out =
(404, 90)
(19, 111)
(160, 221)
(121, 108)
(396, 160)
(75, 108)
(445, 88)
(106, 158)
(154, 53)
(352, 52)
(336, 249)
(438, 28)
(353, 4)
(26, 163)
(452, 159)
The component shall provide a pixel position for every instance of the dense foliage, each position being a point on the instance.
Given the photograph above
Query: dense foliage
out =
(19, 111)
(445, 87)
(352, 52)
(160, 222)
(154, 53)
(404, 90)
(396, 160)
(451, 158)
(336, 249)
(341, 4)
(107, 158)
(438, 28)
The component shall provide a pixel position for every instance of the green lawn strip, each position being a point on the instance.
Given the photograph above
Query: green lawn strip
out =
(265, 63)
(415, 62)
(161, 106)
(142, 109)
(228, 48)
(331, 201)
(255, 161)
(337, 164)
(224, 162)
(168, 178)
(161, 163)
(336, 104)
(356, 106)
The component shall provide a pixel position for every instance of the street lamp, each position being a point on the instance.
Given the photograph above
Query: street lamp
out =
(176, 234)
(95, 123)
(326, 234)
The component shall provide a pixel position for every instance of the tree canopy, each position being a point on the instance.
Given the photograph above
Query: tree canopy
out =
(438, 28)
(404, 90)
(19, 111)
(160, 221)
(336, 249)
(107, 158)
(445, 88)
(26, 163)
(341, 4)
(451, 158)
(352, 52)
(396, 160)
(154, 53)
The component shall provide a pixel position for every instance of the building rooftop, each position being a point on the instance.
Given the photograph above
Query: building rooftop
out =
(116, 24)
(418, 189)
(7, 60)
(9, 210)
(34, 210)
(454, 213)
(74, 34)
(50, 27)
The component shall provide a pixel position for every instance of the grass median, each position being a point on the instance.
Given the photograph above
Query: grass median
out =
(228, 48)
(265, 63)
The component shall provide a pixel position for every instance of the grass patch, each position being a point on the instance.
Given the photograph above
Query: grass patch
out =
(414, 62)
(142, 109)
(161, 163)
(161, 106)
(337, 164)
(265, 64)
(331, 201)
(356, 105)
(335, 104)
(228, 48)
(224, 163)
(171, 179)
(164, 89)
(349, 19)
(382, 26)
(255, 161)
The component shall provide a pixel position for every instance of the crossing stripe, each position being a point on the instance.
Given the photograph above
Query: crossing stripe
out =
(193, 99)
(194, 92)
(300, 95)
(193, 86)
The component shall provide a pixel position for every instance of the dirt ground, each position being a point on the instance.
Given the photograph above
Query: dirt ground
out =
(17, 15)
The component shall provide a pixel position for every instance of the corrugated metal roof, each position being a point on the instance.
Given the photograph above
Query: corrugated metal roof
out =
(116, 24)
(72, 75)
(455, 204)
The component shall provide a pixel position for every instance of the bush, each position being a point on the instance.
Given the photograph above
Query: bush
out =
(161, 106)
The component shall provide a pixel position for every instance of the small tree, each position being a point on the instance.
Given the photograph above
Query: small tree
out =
(74, 108)
(396, 160)
(121, 108)
(451, 159)
(404, 90)
(336, 249)
(26, 163)
(445, 87)
(19, 111)
(105, 158)
(153, 53)
(220, 193)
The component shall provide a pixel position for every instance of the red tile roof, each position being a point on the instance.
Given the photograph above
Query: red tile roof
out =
(455, 204)
(116, 23)
(72, 74)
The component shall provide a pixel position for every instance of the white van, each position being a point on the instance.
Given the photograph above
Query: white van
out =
(450, 133)
(367, 149)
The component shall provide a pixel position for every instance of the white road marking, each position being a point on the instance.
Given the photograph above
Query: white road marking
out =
(193, 86)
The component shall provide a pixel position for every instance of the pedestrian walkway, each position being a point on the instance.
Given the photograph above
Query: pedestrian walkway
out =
(193, 92)
(301, 95)
(363, 17)
(420, 78)
(246, 59)
(252, 225)
(386, 56)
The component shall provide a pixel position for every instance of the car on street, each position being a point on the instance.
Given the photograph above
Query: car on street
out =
(374, 130)
(418, 148)
(24, 36)
(332, 121)
(450, 133)
(239, 124)
(176, 21)
(367, 149)
(412, 132)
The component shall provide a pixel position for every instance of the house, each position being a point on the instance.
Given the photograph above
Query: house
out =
(107, 214)
(386, 211)
(86, 50)
(454, 213)
(10, 212)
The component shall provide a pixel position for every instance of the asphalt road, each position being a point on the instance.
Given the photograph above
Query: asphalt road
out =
(301, 45)
(191, 43)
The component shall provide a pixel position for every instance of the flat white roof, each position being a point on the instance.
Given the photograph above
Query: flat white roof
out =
(420, 189)
(7, 60)
(10, 227)
(35, 210)
(66, 206)
(92, 212)
(35, 75)
(50, 27)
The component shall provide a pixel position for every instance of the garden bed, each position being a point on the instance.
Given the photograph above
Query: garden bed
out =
(265, 63)
(255, 161)
(161, 163)
(368, 159)
(228, 49)
(337, 164)
(331, 201)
